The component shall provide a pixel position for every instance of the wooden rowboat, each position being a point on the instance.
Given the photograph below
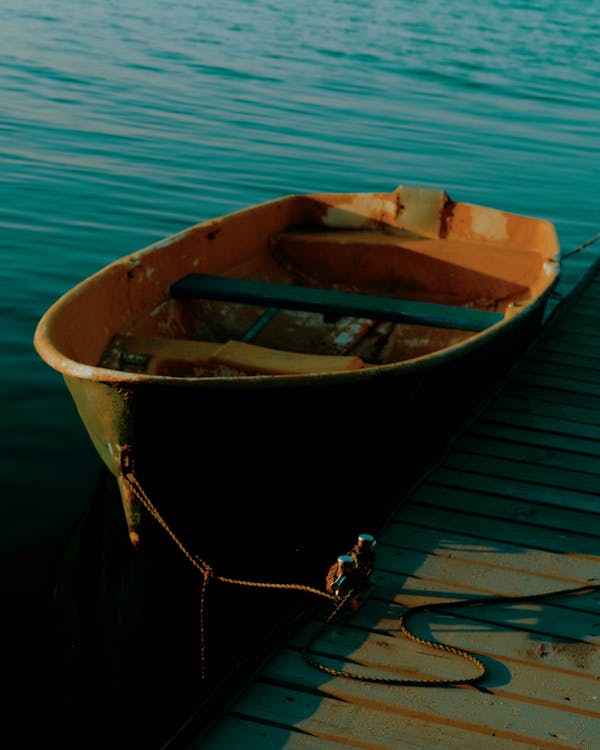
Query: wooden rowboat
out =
(262, 387)
(289, 360)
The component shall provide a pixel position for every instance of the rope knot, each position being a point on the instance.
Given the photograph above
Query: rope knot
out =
(127, 463)
(205, 568)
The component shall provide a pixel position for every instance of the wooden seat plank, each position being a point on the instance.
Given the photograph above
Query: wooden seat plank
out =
(332, 302)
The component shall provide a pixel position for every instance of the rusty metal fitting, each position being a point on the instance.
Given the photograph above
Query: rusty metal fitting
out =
(365, 542)
(345, 565)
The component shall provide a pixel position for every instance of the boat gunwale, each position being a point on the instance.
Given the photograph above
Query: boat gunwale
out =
(68, 367)
(71, 368)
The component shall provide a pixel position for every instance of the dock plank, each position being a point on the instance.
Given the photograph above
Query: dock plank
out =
(468, 580)
(461, 548)
(566, 345)
(527, 403)
(539, 449)
(521, 664)
(480, 713)
(505, 468)
(236, 731)
(557, 394)
(362, 727)
(547, 379)
(540, 418)
(493, 518)
(574, 661)
(573, 359)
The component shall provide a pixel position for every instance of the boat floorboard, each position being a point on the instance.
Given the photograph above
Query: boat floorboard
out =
(511, 510)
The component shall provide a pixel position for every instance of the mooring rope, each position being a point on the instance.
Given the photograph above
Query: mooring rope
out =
(341, 601)
(581, 247)
(206, 570)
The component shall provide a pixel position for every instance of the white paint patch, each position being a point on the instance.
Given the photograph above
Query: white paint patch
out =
(344, 339)
(347, 335)
(159, 310)
(490, 223)
(361, 211)
(172, 238)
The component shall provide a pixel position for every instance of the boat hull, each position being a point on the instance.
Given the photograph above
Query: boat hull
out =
(323, 461)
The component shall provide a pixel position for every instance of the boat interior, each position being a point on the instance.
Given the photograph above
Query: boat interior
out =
(338, 299)
(306, 284)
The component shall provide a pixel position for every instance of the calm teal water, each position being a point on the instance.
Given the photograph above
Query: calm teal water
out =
(122, 122)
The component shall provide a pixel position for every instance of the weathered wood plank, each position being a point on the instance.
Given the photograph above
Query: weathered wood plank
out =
(332, 302)
(239, 733)
(549, 496)
(381, 652)
(572, 340)
(581, 324)
(485, 631)
(563, 397)
(425, 587)
(548, 366)
(468, 549)
(548, 380)
(525, 487)
(482, 713)
(572, 416)
(417, 573)
(587, 305)
(587, 309)
(567, 346)
(492, 518)
(523, 663)
(538, 448)
(554, 482)
(539, 416)
(354, 725)
(575, 359)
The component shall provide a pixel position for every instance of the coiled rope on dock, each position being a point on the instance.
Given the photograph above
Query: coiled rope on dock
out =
(482, 672)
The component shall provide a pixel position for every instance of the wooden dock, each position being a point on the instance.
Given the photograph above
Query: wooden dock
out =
(511, 510)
